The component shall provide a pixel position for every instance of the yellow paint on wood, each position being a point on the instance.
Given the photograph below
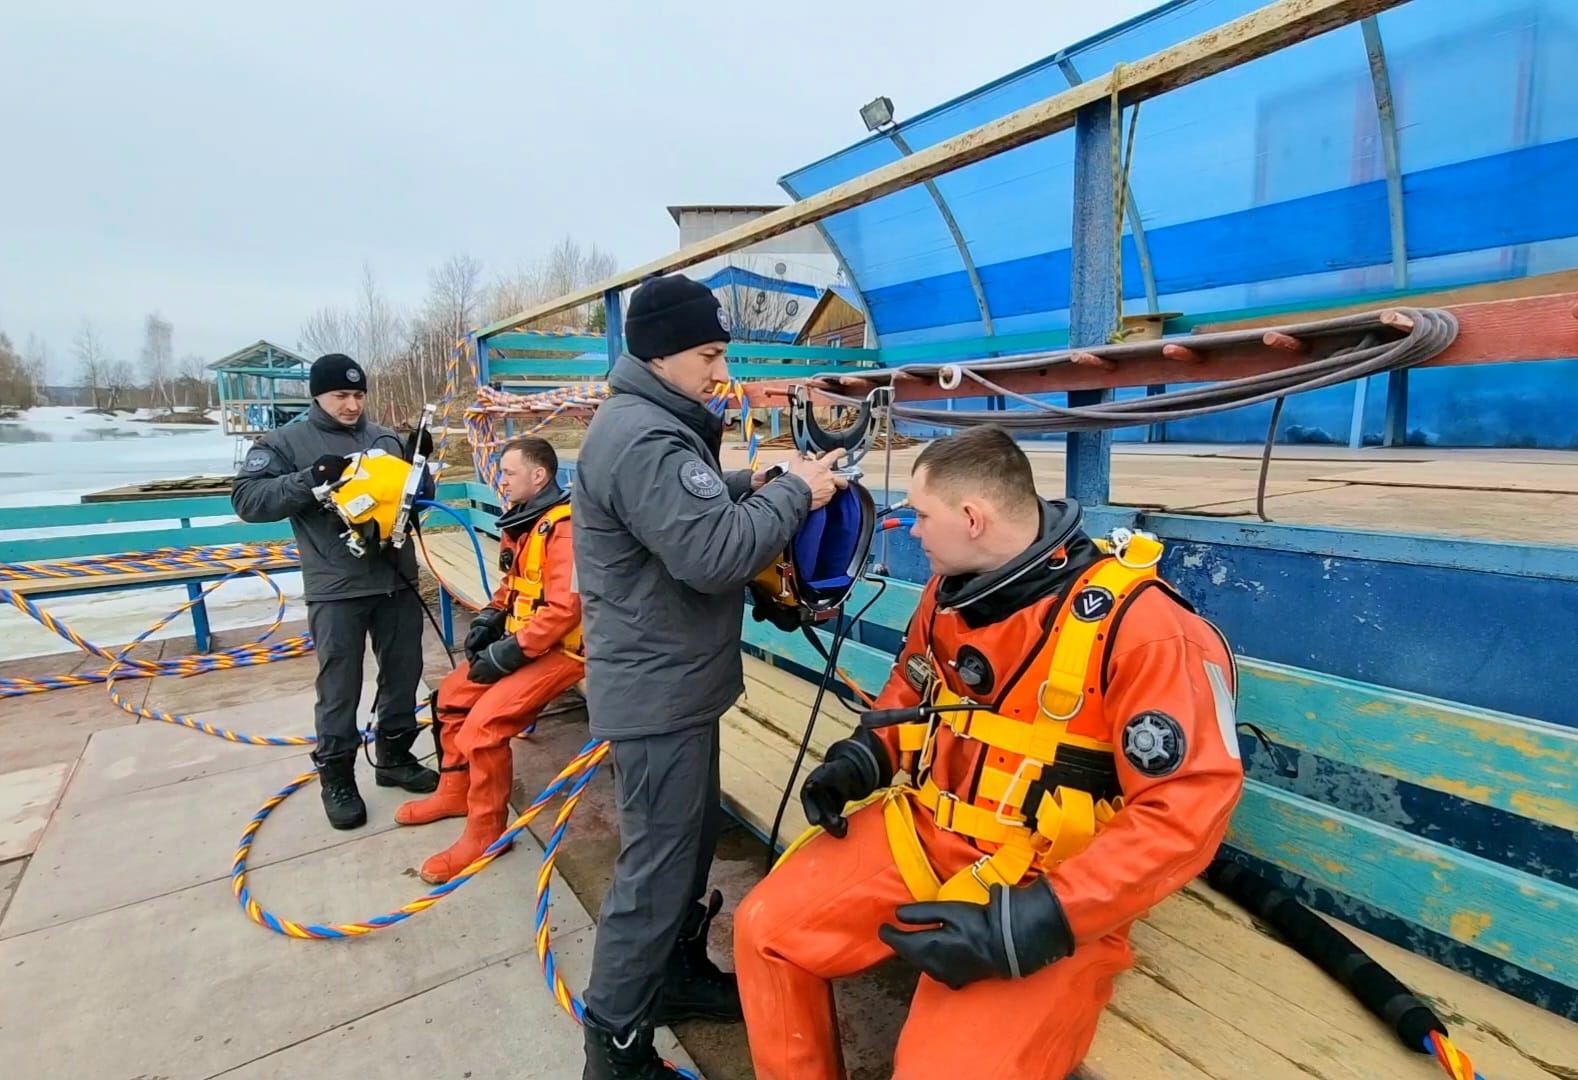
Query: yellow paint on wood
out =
(1468, 925)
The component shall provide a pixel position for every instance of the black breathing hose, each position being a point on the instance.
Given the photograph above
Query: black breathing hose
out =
(1377, 989)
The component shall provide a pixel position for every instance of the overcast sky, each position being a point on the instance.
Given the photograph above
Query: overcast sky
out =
(231, 165)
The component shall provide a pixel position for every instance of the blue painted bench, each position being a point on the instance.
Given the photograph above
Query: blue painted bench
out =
(80, 535)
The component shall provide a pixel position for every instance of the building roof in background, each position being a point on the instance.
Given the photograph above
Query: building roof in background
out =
(261, 354)
(742, 208)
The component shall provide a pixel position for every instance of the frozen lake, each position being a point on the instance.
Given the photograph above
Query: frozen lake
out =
(56, 455)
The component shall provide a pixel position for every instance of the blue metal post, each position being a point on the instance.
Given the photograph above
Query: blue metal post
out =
(446, 612)
(199, 616)
(614, 319)
(482, 361)
(1093, 311)
(1395, 432)
(1361, 393)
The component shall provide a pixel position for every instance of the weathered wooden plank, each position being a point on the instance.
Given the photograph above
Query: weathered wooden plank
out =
(1522, 919)
(450, 558)
(1524, 767)
(113, 543)
(108, 582)
(1508, 1039)
(1257, 34)
(112, 513)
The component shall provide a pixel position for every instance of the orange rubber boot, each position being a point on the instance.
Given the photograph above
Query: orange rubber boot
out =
(487, 812)
(449, 800)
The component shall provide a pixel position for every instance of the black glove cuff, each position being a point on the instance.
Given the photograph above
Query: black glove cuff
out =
(1034, 927)
(507, 653)
(491, 617)
(866, 752)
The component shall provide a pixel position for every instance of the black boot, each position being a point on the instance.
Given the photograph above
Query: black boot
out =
(398, 767)
(610, 1056)
(693, 986)
(341, 801)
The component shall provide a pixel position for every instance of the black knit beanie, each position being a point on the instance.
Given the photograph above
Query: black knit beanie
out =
(671, 314)
(335, 371)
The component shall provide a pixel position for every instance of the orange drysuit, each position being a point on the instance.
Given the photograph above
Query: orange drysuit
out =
(1114, 806)
(475, 721)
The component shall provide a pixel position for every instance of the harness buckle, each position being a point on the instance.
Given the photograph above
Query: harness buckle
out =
(1041, 704)
(1013, 783)
(1122, 538)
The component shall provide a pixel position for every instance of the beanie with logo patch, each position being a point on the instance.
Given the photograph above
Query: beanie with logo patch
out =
(670, 314)
(335, 371)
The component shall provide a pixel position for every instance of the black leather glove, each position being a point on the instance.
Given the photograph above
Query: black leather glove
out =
(497, 660)
(487, 626)
(328, 468)
(853, 768)
(1017, 932)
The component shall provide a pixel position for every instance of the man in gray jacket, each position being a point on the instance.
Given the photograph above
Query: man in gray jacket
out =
(347, 597)
(665, 544)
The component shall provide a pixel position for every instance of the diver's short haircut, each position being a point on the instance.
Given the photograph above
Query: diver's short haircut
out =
(984, 461)
(536, 451)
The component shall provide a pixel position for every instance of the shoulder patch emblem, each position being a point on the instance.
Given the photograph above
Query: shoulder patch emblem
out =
(699, 480)
(506, 559)
(256, 461)
(1153, 742)
(918, 673)
(1093, 603)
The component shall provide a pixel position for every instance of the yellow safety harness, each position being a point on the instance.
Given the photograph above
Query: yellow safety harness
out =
(526, 580)
(1066, 818)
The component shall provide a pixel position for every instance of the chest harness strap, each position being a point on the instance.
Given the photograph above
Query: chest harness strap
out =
(1064, 819)
(526, 581)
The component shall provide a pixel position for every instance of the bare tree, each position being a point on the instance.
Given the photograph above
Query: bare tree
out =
(328, 330)
(158, 357)
(118, 379)
(17, 389)
(195, 382)
(454, 295)
(760, 312)
(91, 362)
(566, 269)
(379, 326)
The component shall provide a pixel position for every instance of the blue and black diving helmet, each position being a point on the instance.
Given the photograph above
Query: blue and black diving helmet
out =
(813, 577)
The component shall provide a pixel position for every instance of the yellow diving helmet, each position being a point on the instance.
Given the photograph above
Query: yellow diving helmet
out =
(376, 493)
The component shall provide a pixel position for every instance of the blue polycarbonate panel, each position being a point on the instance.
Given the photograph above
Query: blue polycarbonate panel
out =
(1261, 185)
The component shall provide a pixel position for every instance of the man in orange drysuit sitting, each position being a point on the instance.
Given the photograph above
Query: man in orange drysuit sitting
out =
(522, 651)
(1095, 777)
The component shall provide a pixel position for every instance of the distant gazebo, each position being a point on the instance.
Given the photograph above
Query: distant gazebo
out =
(261, 387)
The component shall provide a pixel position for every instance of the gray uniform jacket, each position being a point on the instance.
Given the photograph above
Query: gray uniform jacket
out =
(664, 547)
(275, 482)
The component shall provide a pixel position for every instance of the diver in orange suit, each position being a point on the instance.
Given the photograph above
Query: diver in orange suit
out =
(522, 651)
(1091, 775)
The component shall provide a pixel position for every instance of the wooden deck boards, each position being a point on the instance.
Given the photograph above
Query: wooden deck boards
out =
(1211, 994)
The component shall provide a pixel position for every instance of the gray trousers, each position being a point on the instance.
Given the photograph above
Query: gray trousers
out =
(340, 629)
(669, 819)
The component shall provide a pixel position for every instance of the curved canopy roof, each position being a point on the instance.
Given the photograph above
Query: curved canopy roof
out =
(1265, 185)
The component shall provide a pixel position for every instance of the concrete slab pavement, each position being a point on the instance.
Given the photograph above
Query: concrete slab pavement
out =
(180, 983)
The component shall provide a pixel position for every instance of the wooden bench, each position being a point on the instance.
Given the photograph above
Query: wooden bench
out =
(1212, 994)
(80, 536)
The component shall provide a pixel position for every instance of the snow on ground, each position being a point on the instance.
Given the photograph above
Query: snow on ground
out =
(55, 455)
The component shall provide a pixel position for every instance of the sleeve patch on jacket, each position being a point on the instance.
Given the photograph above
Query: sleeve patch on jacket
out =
(1154, 743)
(1226, 710)
(256, 461)
(699, 480)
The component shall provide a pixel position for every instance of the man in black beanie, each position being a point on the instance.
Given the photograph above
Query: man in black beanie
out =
(348, 598)
(665, 543)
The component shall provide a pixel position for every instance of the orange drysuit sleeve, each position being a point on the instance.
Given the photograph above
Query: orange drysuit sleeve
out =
(897, 693)
(560, 609)
(1170, 703)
